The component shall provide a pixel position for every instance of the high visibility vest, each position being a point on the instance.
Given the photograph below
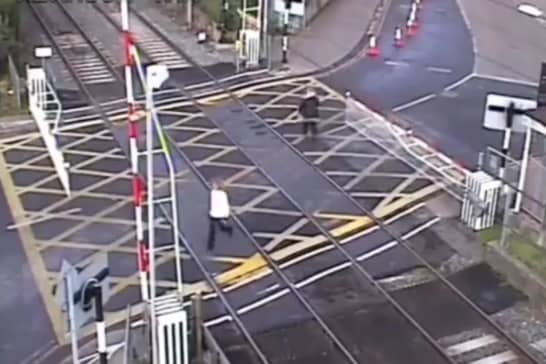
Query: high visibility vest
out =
(219, 204)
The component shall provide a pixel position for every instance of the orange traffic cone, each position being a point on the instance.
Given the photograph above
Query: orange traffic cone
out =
(398, 41)
(410, 27)
(372, 46)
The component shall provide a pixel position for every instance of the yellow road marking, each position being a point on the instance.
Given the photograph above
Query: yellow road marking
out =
(203, 287)
(256, 262)
(327, 215)
(35, 261)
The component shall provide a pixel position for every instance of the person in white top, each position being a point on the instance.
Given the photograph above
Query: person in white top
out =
(219, 213)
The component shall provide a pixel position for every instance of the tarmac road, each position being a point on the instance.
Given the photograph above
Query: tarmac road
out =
(430, 82)
(22, 312)
(439, 54)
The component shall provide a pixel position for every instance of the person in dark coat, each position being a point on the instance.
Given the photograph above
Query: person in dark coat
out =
(309, 111)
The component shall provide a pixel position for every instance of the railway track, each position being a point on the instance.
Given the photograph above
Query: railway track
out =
(506, 349)
(335, 336)
(89, 93)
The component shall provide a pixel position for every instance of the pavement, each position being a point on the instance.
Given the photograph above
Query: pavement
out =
(502, 43)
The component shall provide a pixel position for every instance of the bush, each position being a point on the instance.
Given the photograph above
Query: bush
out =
(9, 29)
(213, 9)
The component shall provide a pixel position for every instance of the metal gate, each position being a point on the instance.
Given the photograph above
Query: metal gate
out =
(480, 200)
(251, 46)
(45, 108)
(172, 330)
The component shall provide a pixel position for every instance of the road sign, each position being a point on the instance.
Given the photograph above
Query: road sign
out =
(541, 96)
(497, 106)
(79, 276)
(43, 52)
(295, 7)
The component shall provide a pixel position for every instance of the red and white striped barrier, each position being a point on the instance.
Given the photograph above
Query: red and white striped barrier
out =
(138, 184)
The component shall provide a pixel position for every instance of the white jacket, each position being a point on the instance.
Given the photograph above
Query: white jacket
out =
(219, 204)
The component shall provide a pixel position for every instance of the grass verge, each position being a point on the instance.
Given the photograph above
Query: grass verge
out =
(491, 234)
(524, 249)
(8, 102)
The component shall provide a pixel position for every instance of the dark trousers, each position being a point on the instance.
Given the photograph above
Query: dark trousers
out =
(310, 125)
(213, 224)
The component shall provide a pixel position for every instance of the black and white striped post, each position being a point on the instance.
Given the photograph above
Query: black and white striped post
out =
(507, 136)
(92, 291)
(287, 5)
(99, 321)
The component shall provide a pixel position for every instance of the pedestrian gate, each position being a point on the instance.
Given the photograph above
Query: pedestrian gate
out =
(172, 330)
(480, 200)
(251, 47)
(45, 108)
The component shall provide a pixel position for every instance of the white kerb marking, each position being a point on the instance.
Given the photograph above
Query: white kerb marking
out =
(439, 69)
(471, 345)
(500, 358)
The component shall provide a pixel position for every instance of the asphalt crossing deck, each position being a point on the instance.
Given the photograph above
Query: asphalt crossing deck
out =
(98, 218)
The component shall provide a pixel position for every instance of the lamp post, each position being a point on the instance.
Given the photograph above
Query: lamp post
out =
(286, 15)
(156, 75)
(225, 9)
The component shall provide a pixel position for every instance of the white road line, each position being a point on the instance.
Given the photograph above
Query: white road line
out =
(396, 63)
(324, 249)
(438, 69)
(500, 358)
(471, 345)
(459, 82)
(322, 274)
(263, 301)
(268, 289)
(507, 80)
(414, 102)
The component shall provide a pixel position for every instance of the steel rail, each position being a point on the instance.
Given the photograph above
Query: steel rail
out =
(331, 239)
(266, 256)
(270, 262)
(262, 252)
(80, 29)
(403, 242)
(107, 121)
(399, 239)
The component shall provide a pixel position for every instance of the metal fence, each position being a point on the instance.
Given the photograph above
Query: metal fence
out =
(520, 233)
(16, 82)
(203, 346)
